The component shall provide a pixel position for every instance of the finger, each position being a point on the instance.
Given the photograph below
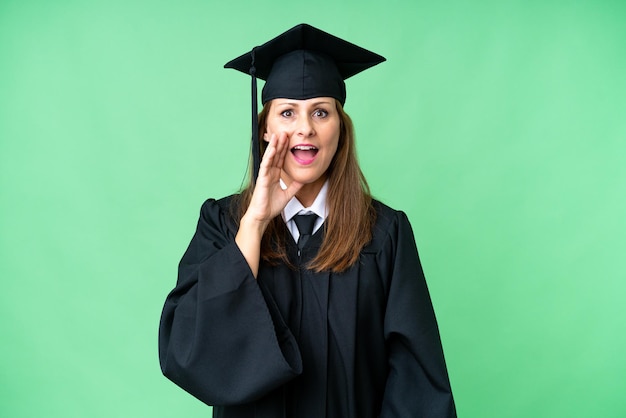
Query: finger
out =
(270, 151)
(281, 152)
(279, 145)
(268, 157)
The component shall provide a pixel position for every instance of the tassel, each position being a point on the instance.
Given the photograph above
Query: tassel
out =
(256, 151)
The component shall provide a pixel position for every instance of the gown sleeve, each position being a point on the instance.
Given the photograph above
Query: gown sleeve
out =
(218, 338)
(417, 384)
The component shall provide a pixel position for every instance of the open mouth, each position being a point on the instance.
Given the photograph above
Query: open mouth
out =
(304, 154)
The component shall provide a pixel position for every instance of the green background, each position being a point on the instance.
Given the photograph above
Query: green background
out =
(498, 126)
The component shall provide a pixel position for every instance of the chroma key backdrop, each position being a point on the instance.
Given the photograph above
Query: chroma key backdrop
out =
(499, 127)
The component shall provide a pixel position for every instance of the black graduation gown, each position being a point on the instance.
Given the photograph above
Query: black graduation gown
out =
(298, 344)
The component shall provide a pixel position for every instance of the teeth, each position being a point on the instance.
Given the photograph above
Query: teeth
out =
(304, 147)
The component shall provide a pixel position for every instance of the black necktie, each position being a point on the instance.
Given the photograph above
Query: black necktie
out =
(305, 225)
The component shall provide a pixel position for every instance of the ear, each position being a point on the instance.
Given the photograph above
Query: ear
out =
(266, 137)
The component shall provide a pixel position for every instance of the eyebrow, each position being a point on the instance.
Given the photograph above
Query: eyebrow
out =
(294, 104)
(322, 102)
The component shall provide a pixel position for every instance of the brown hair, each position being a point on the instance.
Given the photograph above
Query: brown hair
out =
(351, 216)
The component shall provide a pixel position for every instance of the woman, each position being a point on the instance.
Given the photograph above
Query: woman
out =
(302, 296)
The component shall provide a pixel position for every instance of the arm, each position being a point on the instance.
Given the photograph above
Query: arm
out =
(268, 200)
(417, 384)
(217, 338)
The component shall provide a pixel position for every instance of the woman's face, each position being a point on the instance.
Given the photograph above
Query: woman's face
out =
(312, 127)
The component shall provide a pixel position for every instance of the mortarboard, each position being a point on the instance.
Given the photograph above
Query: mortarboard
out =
(301, 63)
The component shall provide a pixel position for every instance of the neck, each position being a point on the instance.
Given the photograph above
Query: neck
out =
(308, 193)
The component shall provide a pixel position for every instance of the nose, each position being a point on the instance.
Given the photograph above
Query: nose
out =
(305, 127)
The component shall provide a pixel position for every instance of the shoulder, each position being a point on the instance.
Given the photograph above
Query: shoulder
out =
(384, 214)
(389, 223)
(388, 217)
(220, 213)
(225, 204)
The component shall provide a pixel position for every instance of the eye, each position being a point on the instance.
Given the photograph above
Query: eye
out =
(286, 113)
(320, 113)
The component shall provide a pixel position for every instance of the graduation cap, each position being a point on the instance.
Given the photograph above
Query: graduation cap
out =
(301, 63)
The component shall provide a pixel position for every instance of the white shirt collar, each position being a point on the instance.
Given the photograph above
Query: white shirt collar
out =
(294, 207)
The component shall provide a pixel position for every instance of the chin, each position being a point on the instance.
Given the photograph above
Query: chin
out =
(304, 177)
